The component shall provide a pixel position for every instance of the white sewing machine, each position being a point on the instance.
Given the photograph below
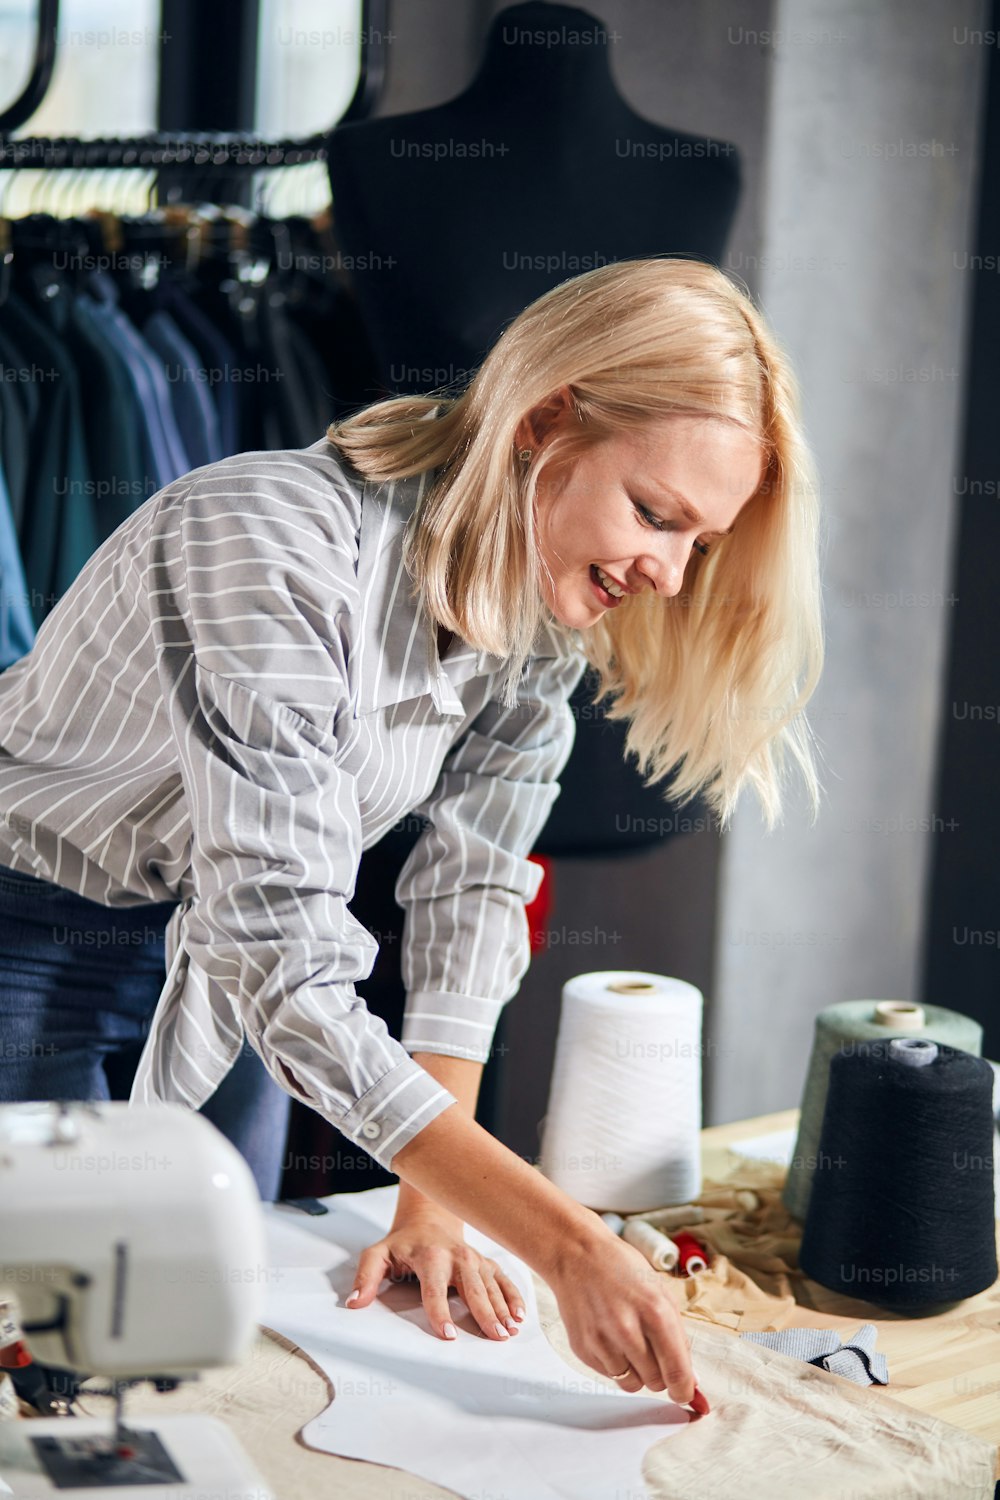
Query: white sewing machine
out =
(132, 1247)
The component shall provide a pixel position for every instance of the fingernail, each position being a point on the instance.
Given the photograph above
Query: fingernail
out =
(501, 1330)
(509, 1323)
(354, 1296)
(699, 1404)
(449, 1331)
(519, 1314)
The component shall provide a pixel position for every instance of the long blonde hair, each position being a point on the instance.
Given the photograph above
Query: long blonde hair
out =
(712, 681)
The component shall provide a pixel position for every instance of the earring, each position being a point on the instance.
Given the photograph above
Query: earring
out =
(524, 454)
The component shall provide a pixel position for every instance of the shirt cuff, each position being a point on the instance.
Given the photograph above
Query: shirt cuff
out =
(453, 1025)
(394, 1110)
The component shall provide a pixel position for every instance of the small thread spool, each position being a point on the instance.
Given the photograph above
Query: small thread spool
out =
(659, 1249)
(672, 1218)
(615, 1222)
(730, 1198)
(691, 1256)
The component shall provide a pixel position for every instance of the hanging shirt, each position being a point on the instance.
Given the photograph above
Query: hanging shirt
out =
(17, 628)
(58, 528)
(165, 453)
(217, 360)
(235, 698)
(194, 411)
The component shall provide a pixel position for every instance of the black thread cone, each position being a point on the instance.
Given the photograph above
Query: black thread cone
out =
(902, 1206)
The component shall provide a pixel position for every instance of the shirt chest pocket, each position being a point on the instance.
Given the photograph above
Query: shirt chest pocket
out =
(257, 730)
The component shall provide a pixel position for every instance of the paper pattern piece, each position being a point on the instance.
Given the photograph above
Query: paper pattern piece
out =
(474, 1415)
(777, 1146)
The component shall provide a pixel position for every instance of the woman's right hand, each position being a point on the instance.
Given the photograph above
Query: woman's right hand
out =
(617, 1312)
(615, 1307)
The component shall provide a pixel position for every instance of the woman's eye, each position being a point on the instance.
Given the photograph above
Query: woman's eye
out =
(650, 520)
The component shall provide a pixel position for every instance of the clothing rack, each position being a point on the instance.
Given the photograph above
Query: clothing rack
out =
(198, 151)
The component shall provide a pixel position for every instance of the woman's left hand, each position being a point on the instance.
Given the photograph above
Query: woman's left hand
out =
(430, 1245)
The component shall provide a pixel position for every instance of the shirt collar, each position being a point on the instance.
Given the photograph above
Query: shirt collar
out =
(397, 639)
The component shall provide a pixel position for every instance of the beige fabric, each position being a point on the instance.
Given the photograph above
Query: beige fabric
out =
(753, 1271)
(784, 1428)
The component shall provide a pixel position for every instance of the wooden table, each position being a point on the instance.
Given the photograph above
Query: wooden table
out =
(946, 1364)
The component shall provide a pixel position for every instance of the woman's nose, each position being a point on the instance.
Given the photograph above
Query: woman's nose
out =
(665, 567)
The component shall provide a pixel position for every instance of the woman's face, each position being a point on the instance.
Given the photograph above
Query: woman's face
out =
(621, 510)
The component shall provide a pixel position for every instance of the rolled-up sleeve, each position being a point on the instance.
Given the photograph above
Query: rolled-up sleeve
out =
(274, 860)
(467, 880)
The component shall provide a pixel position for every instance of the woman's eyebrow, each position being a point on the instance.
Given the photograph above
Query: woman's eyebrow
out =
(688, 510)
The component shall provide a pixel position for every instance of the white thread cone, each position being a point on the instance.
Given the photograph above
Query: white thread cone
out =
(624, 1113)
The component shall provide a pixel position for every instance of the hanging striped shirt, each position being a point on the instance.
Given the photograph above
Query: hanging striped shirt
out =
(234, 699)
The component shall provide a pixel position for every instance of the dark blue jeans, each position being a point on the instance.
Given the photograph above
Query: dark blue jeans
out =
(79, 982)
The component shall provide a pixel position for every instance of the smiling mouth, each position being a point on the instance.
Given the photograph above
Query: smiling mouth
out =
(608, 599)
(607, 583)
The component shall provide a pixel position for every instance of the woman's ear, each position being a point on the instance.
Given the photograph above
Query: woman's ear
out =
(542, 419)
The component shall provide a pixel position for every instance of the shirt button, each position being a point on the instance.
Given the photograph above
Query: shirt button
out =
(370, 1129)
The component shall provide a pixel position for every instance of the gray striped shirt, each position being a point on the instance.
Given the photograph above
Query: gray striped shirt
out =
(234, 699)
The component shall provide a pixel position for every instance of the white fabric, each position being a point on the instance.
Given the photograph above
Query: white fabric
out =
(479, 1417)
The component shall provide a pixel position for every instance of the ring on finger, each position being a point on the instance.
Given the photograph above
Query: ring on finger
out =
(627, 1371)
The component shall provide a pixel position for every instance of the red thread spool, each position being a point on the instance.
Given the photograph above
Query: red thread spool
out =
(691, 1256)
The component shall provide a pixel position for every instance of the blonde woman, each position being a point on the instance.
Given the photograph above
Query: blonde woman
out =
(281, 654)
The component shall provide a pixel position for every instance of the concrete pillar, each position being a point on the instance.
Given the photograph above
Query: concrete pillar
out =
(872, 141)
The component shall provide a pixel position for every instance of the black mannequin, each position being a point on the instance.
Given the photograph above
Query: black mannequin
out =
(562, 191)
(563, 197)
(566, 176)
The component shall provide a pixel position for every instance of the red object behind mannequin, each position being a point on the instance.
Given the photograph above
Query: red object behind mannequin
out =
(537, 911)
